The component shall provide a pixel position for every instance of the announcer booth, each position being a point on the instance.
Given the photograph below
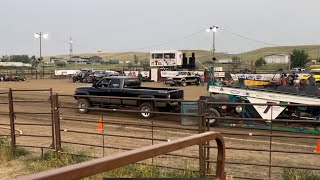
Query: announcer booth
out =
(164, 60)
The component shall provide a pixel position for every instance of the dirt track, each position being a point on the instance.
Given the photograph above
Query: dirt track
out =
(191, 93)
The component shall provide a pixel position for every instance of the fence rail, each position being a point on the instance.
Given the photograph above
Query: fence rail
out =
(61, 136)
(101, 165)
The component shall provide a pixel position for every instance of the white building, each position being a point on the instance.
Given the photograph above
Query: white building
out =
(17, 64)
(277, 59)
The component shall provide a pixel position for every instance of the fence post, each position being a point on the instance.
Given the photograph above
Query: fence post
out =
(201, 145)
(11, 114)
(270, 148)
(52, 118)
(57, 123)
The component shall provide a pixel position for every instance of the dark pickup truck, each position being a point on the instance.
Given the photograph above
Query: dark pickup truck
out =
(121, 86)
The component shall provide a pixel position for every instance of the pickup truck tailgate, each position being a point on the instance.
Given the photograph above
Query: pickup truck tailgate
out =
(176, 94)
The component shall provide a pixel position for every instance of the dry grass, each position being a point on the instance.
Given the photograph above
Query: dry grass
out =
(295, 174)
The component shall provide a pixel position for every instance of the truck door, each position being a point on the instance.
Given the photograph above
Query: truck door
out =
(115, 90)
(102, 89)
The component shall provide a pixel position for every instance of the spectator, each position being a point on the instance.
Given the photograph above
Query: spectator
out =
(140, 76)
(312, 80)
(202, 80)
(296, 83)
(283, 80)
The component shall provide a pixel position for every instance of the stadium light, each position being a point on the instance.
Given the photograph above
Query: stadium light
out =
(41, 35)
(213, 29)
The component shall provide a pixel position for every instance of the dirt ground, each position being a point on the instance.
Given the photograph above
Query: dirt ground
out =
(65, 86)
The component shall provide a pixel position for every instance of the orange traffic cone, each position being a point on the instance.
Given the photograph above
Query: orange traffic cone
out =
(318, 147)
(100, 125)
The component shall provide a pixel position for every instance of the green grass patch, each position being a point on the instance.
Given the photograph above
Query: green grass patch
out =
(7, 153)
(296, 174)
(52, 159)
(146, 171)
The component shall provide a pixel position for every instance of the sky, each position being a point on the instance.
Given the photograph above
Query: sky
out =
(147, 25)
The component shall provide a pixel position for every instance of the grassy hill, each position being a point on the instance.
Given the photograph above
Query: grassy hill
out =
(203, 56)
(313, 50)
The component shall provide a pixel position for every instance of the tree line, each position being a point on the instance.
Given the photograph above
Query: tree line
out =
(22, 58)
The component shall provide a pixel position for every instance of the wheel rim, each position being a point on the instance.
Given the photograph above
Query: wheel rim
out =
(184, 84)
(211, 121)
(82, 106)
(145, 108)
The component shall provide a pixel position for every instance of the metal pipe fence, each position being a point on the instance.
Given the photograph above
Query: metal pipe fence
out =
(100, 165)
(268, 133)
(150, 126)
(14, 114)
(68, 130)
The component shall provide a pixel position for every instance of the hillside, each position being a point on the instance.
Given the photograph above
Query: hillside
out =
(313, 50)
(203, 55)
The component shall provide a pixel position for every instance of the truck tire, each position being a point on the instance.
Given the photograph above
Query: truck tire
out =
(197, 83)
(213, 112)
(83, 104)
(146, 107)
(74, 79)
(184, 83)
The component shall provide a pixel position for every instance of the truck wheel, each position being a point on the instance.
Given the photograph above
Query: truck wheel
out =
(146, 107)
(83, 104)
(213, 112)
(197, 83)
(183, 83)
(74, 79)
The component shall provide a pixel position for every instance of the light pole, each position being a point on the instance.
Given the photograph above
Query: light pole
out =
(41, 35)
(212, 29)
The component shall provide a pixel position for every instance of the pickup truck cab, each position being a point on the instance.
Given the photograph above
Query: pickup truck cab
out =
(123, 86)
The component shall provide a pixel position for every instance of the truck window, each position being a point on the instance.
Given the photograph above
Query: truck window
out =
(104, 83)
(129, 83)
(115, 83)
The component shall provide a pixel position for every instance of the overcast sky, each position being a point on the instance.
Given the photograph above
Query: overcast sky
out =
(122, 25)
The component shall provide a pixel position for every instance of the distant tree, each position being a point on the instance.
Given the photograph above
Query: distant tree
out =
(299, 58)
(5, 58)
(130, 65)
(20, 58)
(145, 64)
(113, 61)
(236, 61)
(61, 64)
(135, 59)
(95, 59)
(260, 62)
(34, 61)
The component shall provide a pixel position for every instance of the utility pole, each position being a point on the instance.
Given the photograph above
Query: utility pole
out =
(71, 50)
(214, 30)
(41, 35)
